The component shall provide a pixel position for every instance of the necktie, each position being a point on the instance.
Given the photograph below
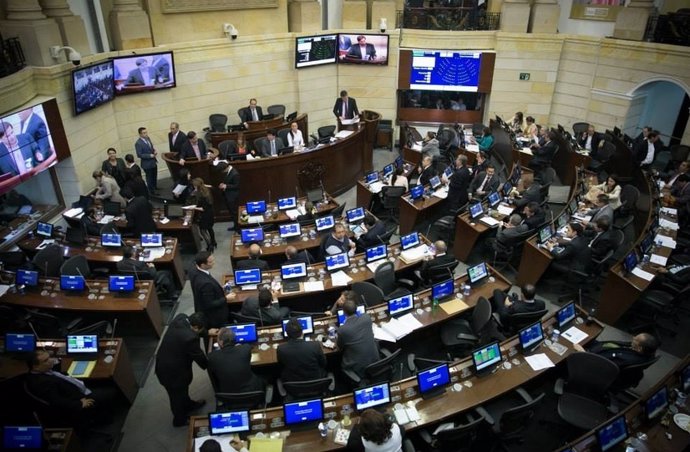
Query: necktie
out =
(344, 109)
(486, 180)
(273, 147)
(255, 116)
(19, 161)
(196, 151)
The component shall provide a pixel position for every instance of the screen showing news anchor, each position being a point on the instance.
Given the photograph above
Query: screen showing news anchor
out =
(26, 146)
(92, 86)
(137, 73)
(363, 49)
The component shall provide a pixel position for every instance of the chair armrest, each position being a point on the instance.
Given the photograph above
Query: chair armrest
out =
(467, 337)
(408, 283)
(418, 275)
(352, 375)
(524, 394)
(497, 319)
(485, 415)
(269, 394)
(281, 388)
(385, 352)
(74, 323)
(408, 446)
(558, 386)
(331, 387)
(410, 362)
(426, 436)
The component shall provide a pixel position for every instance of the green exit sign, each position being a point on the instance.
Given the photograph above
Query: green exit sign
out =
(524, 75)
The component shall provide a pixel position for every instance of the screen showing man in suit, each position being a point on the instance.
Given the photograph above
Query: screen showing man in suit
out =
(364, 49)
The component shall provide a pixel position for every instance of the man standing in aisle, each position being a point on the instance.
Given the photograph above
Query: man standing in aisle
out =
(147, 153)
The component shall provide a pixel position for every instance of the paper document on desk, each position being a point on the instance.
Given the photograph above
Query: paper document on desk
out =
(372, 266)
(405, 415)
(155, 253)
(453, 306)
(3, 289)
(441, 193)
(74, 213)
(81, 369)
(343, 134)
(539, 361)
(505, 209)
(669, 211)
(574, 335)
(382, 335)
(217, 162)
(292, 213)
(472, 147)
(376, 187)
(489, 221)
(665, 240)
(417, 147)
(340, 278)
(179, 188)
(582, 217)
(411, 321)
(223, 440)
(526, 150)
(659, 260)
(313, 286)
(255, 219)
(414, 254)
(266, 445)
(396, 328)
(106, 219)
(348, 122)
(45, 243)
(637, 271)
(164, 220)
(672, 225)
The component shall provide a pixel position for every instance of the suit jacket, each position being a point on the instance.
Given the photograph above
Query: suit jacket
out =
(188, 151)
(426, 175)
(38, 131)
(596, 139)
(109, 190)
(641, 148)
(135, 76)
(180, 139)
(576, 254)
(209, 298)
(302, 256)
(90, 226)
(356, 341)
(247, 114)
(232, 182)
(142, 270)
(352, 110)
(62, 396)
(117, 172)
(602, 212)
(7, 163)
(544, 154)
(301, 360)
(139, 214)
(265, 147)
(372, 236)
(535, 220)
(623, 356)
(530, 195)
(507, 235)
(231, 369)
(437, 261)
(457, 188)
(137, 187)
(270, 315)
(520, 307)
(145, 151)
(246, 264)
(356, 53)
(178, 349)
(490, 186)
(479, 168)
(602, 244)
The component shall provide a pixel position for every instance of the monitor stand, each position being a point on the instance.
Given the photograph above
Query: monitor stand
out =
(305, 426)
(488, 371)
(434, 393)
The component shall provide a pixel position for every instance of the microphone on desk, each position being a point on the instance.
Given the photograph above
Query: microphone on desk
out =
(31, 325)
(82, 276)
(110, 351)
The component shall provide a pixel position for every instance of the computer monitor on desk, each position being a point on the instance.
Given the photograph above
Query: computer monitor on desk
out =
(337, 261)
(476, 210)
(409, 241)
(306, 321)
(376, 253)
(494, 199)
(305, 414)
(487, 358)
(44, 229)
(227, 422)
(565, 315)
(151, 240)
(371, 177)
(251, 276)
(28, 278)
(545, 234)
(19, 342)
(256, 207)
(531, 337)
(324, 223)
(293, 271)
(416, 192)
(612, 434)
(244, 332)
(435, 182)
(388, 170)
(111, 240)
(72, 284)
(121, 284)
(287, 203)
(252, 235)
(433, 381)
(656, 404)
(82, 346)
(442, 290)
(630, 261)
(355, 215)
(361, 309)
(289, 230)
(477, 274)
(372, 396)
(17, 438)
(400, 305)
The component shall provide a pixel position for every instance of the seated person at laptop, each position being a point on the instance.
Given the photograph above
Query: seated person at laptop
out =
(272, 145)
(533, 216)
(441, 257)
(573, 254)
(505, 305)
(603, 240)
(344, 295)
(511, 230)
(230, 366)
(531, 192)
(107, 188)
(484, 183)
(356, 340)
(337, 242)
(295, 257)
(300, 360)
(253, 260)
(641, 349)
(90, 223)
(265, 307)
(373, 231)
(375, 431)
(147, 270)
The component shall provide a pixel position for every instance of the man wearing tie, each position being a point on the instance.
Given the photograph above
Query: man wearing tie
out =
(272, 145)
(345, 107)
(192, 148)
(15, 151)
(147, 153)
(252, 113)
(362, 50)
(231, 192)
(485, 182)
(34, 126)
(176, 138)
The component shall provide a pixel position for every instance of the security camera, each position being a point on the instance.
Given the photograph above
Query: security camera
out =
(230, 31)
(383, 24)
(234, 33)
(72, 55)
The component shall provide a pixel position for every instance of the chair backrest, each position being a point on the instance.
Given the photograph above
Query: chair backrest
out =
(629, 196)
(386, 237)
(217, 121)
(481, 316)
(240, 400)
(326, 131)
(307, 389)
(227, 148)
(381, 370)
(460, 438)
(258, 142)
(283, 134)
(371, 294)
(442, 272)
(241, 318)
(278, 111)
(109, 228)
(384, 277)
(544, 189)
(548, 176)
(315, 194)
(630, 376)
(240, 112)
(679, 152)
(606, 151)
(580, 127)
(520, 320)
(48, 260)
(618, 237)
(391, 196)
(515, 420)
(76, 266)
(13, 259)
(590, 375)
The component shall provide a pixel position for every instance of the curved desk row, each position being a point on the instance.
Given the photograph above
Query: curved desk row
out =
(258, 129)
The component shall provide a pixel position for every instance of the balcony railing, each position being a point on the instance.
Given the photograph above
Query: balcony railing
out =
(448, 18)
(670, 28)
(11, 56)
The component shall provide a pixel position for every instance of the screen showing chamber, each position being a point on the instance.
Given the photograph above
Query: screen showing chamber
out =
(372, 396)
(487, 356)
(92, 86)
(228, 422)
(315, 50)
(82, 344)
(445, 70)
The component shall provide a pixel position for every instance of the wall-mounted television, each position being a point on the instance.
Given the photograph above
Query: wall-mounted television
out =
(363, 49)
(143, 73)
(92, 86)
(445, 70)
(31, 140)
(315, 50)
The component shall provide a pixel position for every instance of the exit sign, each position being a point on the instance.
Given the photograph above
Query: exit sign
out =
(524, 75)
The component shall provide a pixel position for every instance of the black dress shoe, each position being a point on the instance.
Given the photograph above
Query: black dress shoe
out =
(197, 404)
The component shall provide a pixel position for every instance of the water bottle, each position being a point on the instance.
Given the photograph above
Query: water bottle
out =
(434, 304)
(323, 430)
(228, 287)
(331, 332)
(466, 290)
(555, 335)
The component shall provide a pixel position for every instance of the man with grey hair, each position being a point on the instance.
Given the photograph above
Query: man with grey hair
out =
(230, 367)
(441, 258)
(511, 230)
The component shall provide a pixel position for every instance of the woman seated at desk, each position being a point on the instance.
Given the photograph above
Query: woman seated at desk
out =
(610, 187)
(294, 137)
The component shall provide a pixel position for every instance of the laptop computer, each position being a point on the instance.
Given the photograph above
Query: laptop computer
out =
(477, 274)
(291, 274)
(337, 261)
(82, 347)
(227, 422)
(324, 223)
(432, 382)
(245, 333)
(248, 279)
(256, 207)
(531, 337)
(303, 415)
(287, 203)
(372, 396)
(487, 358)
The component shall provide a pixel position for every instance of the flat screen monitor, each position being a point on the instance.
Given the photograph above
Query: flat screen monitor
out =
(250, 235)
(111, 240)
(409, 241)
(293, 271)
(442, 290)
(289, 230)
(372, 396)
(572, 205)
(325, 223)
(337, 261)
(445, 70)
(448, 172)
(287, 203)
(376, 253)
(361, 309)
(244, 332)
(562, 221)
(433, 378)
(400, 305)
(647, 243)
(531, 336)
(494, 198)
(545, 234)
(505, 189)
(315, 50)
(249, 276)
(656, 404)
(354, 215)
(111, 208)
(143, 73)
(20, 342)
(416, 192)
(388, 170)
(685, 378)
(516, 175)
(92, 86)
(612, 434)
(26, 278)
(301, 412)
(44, 229)
(477, 273)
(363, 49)
(72, 283)
(435, 182)
(630, 261)
(228, 422)
(371, 177)
(151, 240)
(81, 344)
(256, 207)
(487, 357)
(75, 236)
(476, 210)
(307, 323)
(22, 438)
(121, 283)
(565, 315)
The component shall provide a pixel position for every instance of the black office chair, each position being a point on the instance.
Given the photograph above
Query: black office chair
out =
(437, 273)
(49, 325)
(444, 227)
(109, 228)
(390, 199)
(49, 260)
(459, 335)
(13, 259)
(241, 112)
(278, 111)
(679, 153)
(370, 294)
(217, 122)
(244, 400)
(655, 305)
(589, 378)
(579, 128)
(515, 322)
(227, 149)
(241, 318)
(302, 390)
(384, 278)
(386, 237)
(509, 426)
(326, 131)
(380, 371)
(630, 376)
(505, 250)
(461, 437)
(416, 363)
(338, 211)
(625, 214)
(603, 155)
(258, 144)
(283, 135)
(76, 266)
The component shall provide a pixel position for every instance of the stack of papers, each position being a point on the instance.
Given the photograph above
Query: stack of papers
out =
(179, 188)
(313, 286)
(526, 150)
(441, 193)
(155, 253)
(637, 271)
(574, 335)
(489, 221)
(659, 260)
(414, 254)
(406, 414)
(255, 219)
(343, 133)
(582, 217)
(292, 213)
(106, 219)
(340, 278)
(666, 224)
(504, 209)
(74, 213)
(669, 211)
(417, 147)
(665, 240)
(453, 306)
(472, 147)
(376, 187)
(539, 361)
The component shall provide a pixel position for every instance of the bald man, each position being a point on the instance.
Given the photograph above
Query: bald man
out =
(441, 257)
(254, 260)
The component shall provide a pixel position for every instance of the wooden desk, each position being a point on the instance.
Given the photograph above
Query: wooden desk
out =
(257, 129)
(17, 227)
(279, 216)
(432, 411)
(119, 370)
(365, 195)
(413, 212)
(273, 247)
(96, 299)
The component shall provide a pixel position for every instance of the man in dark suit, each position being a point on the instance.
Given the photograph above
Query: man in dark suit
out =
(300, 360)
(143, 270)
(480, 165)
(645, 151)
(252, 113)
(485, 182)
(531, 192)
(356, 340)
(178, 348)
(209, 296)
(231, 192)
(253, 261)
(374, 230)
(602, 209)
(295, 257)
(512, 230)
(575, 253)
(543, 155)
(193, 148)
(425, 170)
(265, 307)
(345, 106)
(458, 183)
(139, 213)
(602, 242)
(362, 50)
(230, 367)
(35, 127)
(640, 350)
(147, 153)
(533, 216)
(590, 141)
(506, 306)
(441, 258)
(142, 75)
(15, 151)
(162, 67)
(272, 144)
(176, 138)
